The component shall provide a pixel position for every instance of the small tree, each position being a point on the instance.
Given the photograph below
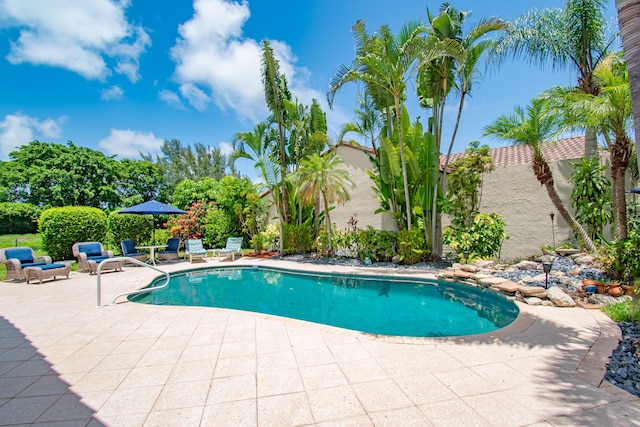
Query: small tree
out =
(591, 196)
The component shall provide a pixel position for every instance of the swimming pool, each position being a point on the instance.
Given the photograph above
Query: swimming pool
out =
(374, 304)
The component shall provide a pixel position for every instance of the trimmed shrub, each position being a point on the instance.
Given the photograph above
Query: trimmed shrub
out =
(128, 226)
(483, 238)
(377, 245)
(220, 225)
(19, 218)
(62, 227)
(297, 239)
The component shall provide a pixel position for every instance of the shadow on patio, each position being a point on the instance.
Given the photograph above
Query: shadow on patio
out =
(31, 392)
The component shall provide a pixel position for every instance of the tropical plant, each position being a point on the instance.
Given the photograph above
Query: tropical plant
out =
(482, 238)
(323, 178)
(575, 37)
(368, 123)
(610, 113)
(384, 63)
(465, 184)
(629, 20)
(591, 196)
(532, 127)
(276, 93)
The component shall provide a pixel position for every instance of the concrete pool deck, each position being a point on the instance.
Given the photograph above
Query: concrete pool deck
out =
(65, 362)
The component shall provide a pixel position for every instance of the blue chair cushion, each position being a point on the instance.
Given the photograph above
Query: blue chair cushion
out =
(51, 266)
(91, 249)
(172, 245)
(34, 264)
(136, 254)
(97, 259)
(129, 247)
(23, 255)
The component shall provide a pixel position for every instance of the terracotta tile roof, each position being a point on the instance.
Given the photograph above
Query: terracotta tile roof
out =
(563, 149)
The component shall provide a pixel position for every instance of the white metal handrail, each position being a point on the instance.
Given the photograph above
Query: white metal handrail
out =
(139, 291)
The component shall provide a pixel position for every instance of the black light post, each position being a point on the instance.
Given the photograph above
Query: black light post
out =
(466, 256)
(546, 266)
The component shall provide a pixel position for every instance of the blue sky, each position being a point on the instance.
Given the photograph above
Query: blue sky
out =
(121, 76)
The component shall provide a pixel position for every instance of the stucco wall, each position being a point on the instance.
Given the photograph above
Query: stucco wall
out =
(515, 193)
(363, 203)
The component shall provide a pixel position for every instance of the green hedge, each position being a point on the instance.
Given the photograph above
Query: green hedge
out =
(19, 218)
(297, 239)
(128, 226)
(62, 227)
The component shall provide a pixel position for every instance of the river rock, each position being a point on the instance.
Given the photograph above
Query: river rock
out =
(531, 290)
(606, 299)
(469, 268)
(584, 260)
(527, 265)
(533, 301)
(559, 298)
(481, 263)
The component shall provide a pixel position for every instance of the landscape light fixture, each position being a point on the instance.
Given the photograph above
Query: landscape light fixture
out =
(546, 266)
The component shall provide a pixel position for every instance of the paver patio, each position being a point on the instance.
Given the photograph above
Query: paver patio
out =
(65, 362)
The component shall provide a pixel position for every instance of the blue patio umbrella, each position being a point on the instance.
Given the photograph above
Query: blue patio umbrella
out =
(152, 207)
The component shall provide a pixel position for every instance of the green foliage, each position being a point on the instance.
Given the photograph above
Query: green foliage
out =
(621, 260)
(49, 175)
(128, 226)
(19, 218)
(296, 239)
(483, 238)
(628, 311)
(377, 245)
(591, 196)
(260, 242)
(465, 184)
(62, 227)
(411, 246)
(179, 162)
(219, 226)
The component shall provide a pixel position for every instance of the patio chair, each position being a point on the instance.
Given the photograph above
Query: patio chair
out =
(194, 248)
(129, 250)
(15, 259)
(171, 252)
(89, 251)
(234, 246)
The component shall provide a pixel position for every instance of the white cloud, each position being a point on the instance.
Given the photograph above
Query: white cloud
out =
(114, 92)
(19, 129)
(76, 35)
(213, 56)
(225, 148)
(171, 98)
(129, 143)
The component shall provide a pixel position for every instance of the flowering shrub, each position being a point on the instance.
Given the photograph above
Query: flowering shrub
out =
(190, 225)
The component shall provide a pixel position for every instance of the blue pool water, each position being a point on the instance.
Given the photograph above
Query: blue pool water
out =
(378, 305)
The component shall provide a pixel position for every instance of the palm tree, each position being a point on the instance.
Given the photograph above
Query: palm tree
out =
(456, 71)
(368, 123)
(611, 114)
(574, 36)
(276, 93)
(323, 178)
(531, 127)
(629, 20)
(384, 63)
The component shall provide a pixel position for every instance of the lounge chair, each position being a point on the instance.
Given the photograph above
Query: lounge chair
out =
(129, 250)
(15, 259)
(194, 248)
(234, 246)
(90, 251)
(171, 251)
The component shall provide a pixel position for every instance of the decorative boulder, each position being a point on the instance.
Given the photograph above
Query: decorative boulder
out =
(527, 265)
(533, 301)
(584, 260)
(559, 298)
